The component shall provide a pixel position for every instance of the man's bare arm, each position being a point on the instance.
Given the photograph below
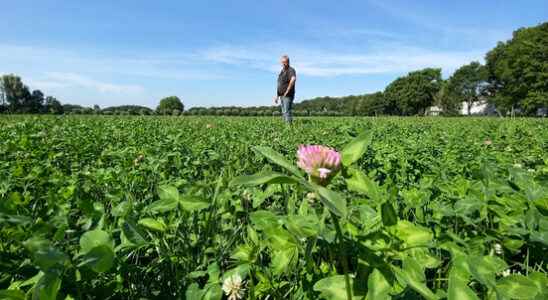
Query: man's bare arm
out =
(290, 85)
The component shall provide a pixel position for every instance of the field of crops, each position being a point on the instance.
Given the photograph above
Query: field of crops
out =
(217, 208)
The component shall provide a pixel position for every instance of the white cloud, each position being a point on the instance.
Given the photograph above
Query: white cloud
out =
(60, 80)
(391, 59)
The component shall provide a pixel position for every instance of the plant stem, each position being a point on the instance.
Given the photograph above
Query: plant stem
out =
(252, 284)
(343, 258)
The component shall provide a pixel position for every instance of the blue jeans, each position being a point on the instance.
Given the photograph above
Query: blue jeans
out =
(287, 104)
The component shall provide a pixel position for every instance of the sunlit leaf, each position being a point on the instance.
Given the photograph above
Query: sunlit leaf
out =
(262, 178)
(356, 148)
(278, 159)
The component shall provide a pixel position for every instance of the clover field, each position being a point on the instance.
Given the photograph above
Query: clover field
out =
(99, 207)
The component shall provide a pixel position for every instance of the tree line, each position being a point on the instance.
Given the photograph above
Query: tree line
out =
(513, 79)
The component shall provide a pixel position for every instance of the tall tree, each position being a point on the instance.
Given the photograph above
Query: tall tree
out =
(467, 85)
(518, 70)
(34, 103)
(168, 104)
(15, 92)
(53, 106)
(412, 94)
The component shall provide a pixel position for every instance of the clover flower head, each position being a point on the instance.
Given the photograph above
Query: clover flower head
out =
(498, 249)
(233, 287)
(320, 162)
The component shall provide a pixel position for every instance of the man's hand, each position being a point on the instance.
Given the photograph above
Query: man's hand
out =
(275, 98)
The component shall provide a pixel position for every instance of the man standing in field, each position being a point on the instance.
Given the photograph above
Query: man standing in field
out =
(286, 88)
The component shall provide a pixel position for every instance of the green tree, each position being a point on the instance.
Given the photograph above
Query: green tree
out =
(35, 103)
(168, 104)
(467, 85)
(372, 105)
(449, 105)
(53, 106)
(16, 94)
(412, 94)
(518, 70)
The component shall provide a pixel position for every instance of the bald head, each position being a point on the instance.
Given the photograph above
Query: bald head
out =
(284, 60)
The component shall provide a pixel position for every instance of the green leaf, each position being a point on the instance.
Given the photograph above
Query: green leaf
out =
(282, 260)
(355, 149)
(194, 292)
(100, 259)
(377, 286)
(97, 249)
(411, 280)
(133, 234)
(517, 287)
(169, 200)
(43, 254)
(11, 295)
(413, 269)
(212, 292)
(94, 238)
(333, 201)
(194, 203)
(278, 159)
(47, 287)
(362, 184)
(389, 217)
(541, 281)
(153, 224)
(458, 288)
(540, 236)
(262, 178)
(168, 192)
(303, 226)
(263, 219)
(280, 239)
(412, 235)
(484, 268)
(333, 288)
(243, 253)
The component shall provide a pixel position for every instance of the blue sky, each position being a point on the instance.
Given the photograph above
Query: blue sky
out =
(213, 53)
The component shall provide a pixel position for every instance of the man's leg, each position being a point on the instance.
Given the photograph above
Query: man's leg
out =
(287, 104)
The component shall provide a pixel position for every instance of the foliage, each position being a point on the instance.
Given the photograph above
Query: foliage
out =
(15, 93)
(169, 104)
(518, 70)
(412, 94)
(130, 109)
(467, 84)
(53, 106)
(135, 207)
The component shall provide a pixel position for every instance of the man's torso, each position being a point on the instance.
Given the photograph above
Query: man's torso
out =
(283, 82)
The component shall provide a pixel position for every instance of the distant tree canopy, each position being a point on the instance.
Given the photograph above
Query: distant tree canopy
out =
(467, 84)
(127, 109)
(14, 93)
(53, 106)
(518, 70)
(412, 94)
(169, 104)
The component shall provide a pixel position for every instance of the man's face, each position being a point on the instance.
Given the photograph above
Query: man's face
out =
(285, 62)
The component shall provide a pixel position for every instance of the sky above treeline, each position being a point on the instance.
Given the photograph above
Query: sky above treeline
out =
(220, 53)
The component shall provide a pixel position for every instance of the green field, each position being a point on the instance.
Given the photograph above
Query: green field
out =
(98, 207)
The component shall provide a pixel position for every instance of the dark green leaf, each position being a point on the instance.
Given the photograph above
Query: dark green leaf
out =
(389, 217)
